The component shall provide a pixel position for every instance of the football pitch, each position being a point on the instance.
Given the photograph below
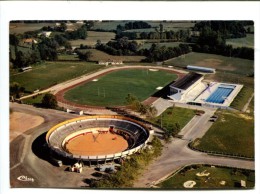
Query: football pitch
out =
(112, 89)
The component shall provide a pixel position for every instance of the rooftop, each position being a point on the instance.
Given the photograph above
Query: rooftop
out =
(186, 81)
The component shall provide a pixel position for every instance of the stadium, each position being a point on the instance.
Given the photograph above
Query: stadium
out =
(97, 138)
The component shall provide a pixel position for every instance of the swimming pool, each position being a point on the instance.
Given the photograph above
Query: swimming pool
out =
(220, 94)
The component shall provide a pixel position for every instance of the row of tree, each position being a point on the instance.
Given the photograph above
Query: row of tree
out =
(213, 41)
(133, 102)
(133, 25)
(228, 29)
(180, 35)
(161, 53)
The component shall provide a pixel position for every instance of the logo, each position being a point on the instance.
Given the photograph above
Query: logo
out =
(25, 178)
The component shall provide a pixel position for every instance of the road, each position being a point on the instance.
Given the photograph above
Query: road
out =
(27, 155)
(176, 154)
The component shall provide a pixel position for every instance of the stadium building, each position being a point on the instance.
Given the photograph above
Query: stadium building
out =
(192, 89)
(97, 138)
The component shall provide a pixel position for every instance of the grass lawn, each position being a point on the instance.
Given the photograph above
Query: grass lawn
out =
(242, 98)
(34, 100)
(232, 178)
(247, 41)
(174, 115)
(51, 73)
(112, 89)
(66, 57)
(220, 63)
(232, 133)
(98, 55)
(92, 38)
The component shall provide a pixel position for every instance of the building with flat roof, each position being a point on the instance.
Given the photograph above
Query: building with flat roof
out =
(182, 86)
(201, 69)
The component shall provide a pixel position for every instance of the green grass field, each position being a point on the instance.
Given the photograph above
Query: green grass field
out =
(112, 89)
(248, 41)
(232, 178)
(34, 100)
(98, 55)
(109, 25)
(220, 63)
(242, 98)
(230, 126)
(50, 73)
(92, 38)
(174, 115)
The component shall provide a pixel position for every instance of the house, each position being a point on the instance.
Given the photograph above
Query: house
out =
(110, 62)
(30, 41)
(26, 68)
(45, 33)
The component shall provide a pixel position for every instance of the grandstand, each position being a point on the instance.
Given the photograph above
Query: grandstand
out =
(133, 133)
(182, 86)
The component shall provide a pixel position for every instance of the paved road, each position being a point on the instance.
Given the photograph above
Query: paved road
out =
(177, 154)
(26, 160)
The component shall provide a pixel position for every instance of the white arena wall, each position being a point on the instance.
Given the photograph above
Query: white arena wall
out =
(53, 135)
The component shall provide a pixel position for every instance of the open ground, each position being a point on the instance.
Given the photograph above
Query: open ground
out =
(97, 144)
(111, 89)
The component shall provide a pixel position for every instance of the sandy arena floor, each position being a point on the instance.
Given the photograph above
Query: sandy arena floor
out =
(97, 144)
(21, 122)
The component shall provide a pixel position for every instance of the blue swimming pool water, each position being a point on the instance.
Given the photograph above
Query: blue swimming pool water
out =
(219, 95)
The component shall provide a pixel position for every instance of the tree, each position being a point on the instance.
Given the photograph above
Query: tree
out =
(49, 101)
(84, 56)
(16, 90)
(14, 40)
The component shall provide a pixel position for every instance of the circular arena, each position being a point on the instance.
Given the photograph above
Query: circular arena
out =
(97, 138)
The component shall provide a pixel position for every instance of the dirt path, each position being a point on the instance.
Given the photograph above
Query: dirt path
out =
(21, 122)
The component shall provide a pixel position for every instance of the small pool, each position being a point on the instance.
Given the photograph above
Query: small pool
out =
(220, 94)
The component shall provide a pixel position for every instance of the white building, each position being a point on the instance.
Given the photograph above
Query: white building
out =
(183, 85)
(201, 69)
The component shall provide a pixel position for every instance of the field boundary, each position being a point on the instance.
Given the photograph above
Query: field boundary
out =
(215, 153)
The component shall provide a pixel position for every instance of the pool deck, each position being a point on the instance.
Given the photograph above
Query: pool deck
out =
(214, 85)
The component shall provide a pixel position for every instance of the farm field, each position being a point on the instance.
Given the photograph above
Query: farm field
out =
(248, 41)
(92, 38)
(232, 178)
(174, 115)
(112, 89)
(230, 125)
(111, 25)
(173, 25)
(147, 45)
(51, 73)
(98, 55)
(19, 28)
(108, 25)
(220, 63)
